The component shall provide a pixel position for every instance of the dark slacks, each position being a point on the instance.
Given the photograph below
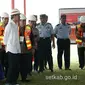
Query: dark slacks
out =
(30, 62)
(2, 53)
(13, 69)
(36, 61)
(81, 56)
(4, 61)
(44, 52)
(63, 47)
(25, 64)
(1, 72)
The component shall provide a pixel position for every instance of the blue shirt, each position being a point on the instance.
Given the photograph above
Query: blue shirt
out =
(45, 30)
(62, 31)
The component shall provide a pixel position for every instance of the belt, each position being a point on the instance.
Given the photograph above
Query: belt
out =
(44, 38)
(63, 39)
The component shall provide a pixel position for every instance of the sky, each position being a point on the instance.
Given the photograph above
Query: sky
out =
(49, 7)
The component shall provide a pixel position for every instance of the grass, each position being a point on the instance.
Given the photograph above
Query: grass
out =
(58, 77)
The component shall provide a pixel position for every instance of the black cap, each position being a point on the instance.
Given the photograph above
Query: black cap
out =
(63, 16)
(43, 16)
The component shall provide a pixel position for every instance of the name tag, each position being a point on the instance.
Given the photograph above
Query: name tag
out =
(84, 34)
(21, 38)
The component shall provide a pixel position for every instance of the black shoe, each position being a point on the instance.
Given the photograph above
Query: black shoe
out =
(46, 68)
(25, 80)
(60, 68)
(15, 84)
(40, 71)
(51, 70)
(29, 74)
(81, 67)
(8, 84)
(11, 84)
(67, 69)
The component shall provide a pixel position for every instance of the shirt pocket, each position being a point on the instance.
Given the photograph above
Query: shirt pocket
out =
(48, 30)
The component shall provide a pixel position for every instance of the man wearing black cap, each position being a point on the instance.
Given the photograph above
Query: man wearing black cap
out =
(62, 32)
(44, 46)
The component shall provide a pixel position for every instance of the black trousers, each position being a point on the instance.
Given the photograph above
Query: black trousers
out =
(30, 62)
(13, 69)
(81, 56)
(25, 65)
(36, 61)
(24, 59)
(1, 69)
(63, 47)
(2, 53)
(4, 61)
(44, 52)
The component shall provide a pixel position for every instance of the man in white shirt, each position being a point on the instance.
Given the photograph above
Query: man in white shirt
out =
(11, 41)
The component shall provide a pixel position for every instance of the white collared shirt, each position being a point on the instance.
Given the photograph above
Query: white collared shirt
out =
(11, 38)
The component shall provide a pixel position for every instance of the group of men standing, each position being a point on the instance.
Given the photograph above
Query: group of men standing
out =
(19, 42)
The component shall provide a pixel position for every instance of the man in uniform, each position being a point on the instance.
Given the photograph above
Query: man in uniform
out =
(44, 45)
(62, 32)
(80, 35)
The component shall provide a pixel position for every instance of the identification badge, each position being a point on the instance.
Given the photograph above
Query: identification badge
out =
(21, 38)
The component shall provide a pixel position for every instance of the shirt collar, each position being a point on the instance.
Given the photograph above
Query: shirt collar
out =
(63, 24)
(13, 22)
(43, 24)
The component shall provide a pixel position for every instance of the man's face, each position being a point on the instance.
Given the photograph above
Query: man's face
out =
(63, 20)
(22, 23)
(43, 20)
(32, 23)
(5, 20)
(17, 17)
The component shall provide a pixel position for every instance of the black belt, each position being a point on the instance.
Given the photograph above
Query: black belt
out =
(63, 39)
(43, 38)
